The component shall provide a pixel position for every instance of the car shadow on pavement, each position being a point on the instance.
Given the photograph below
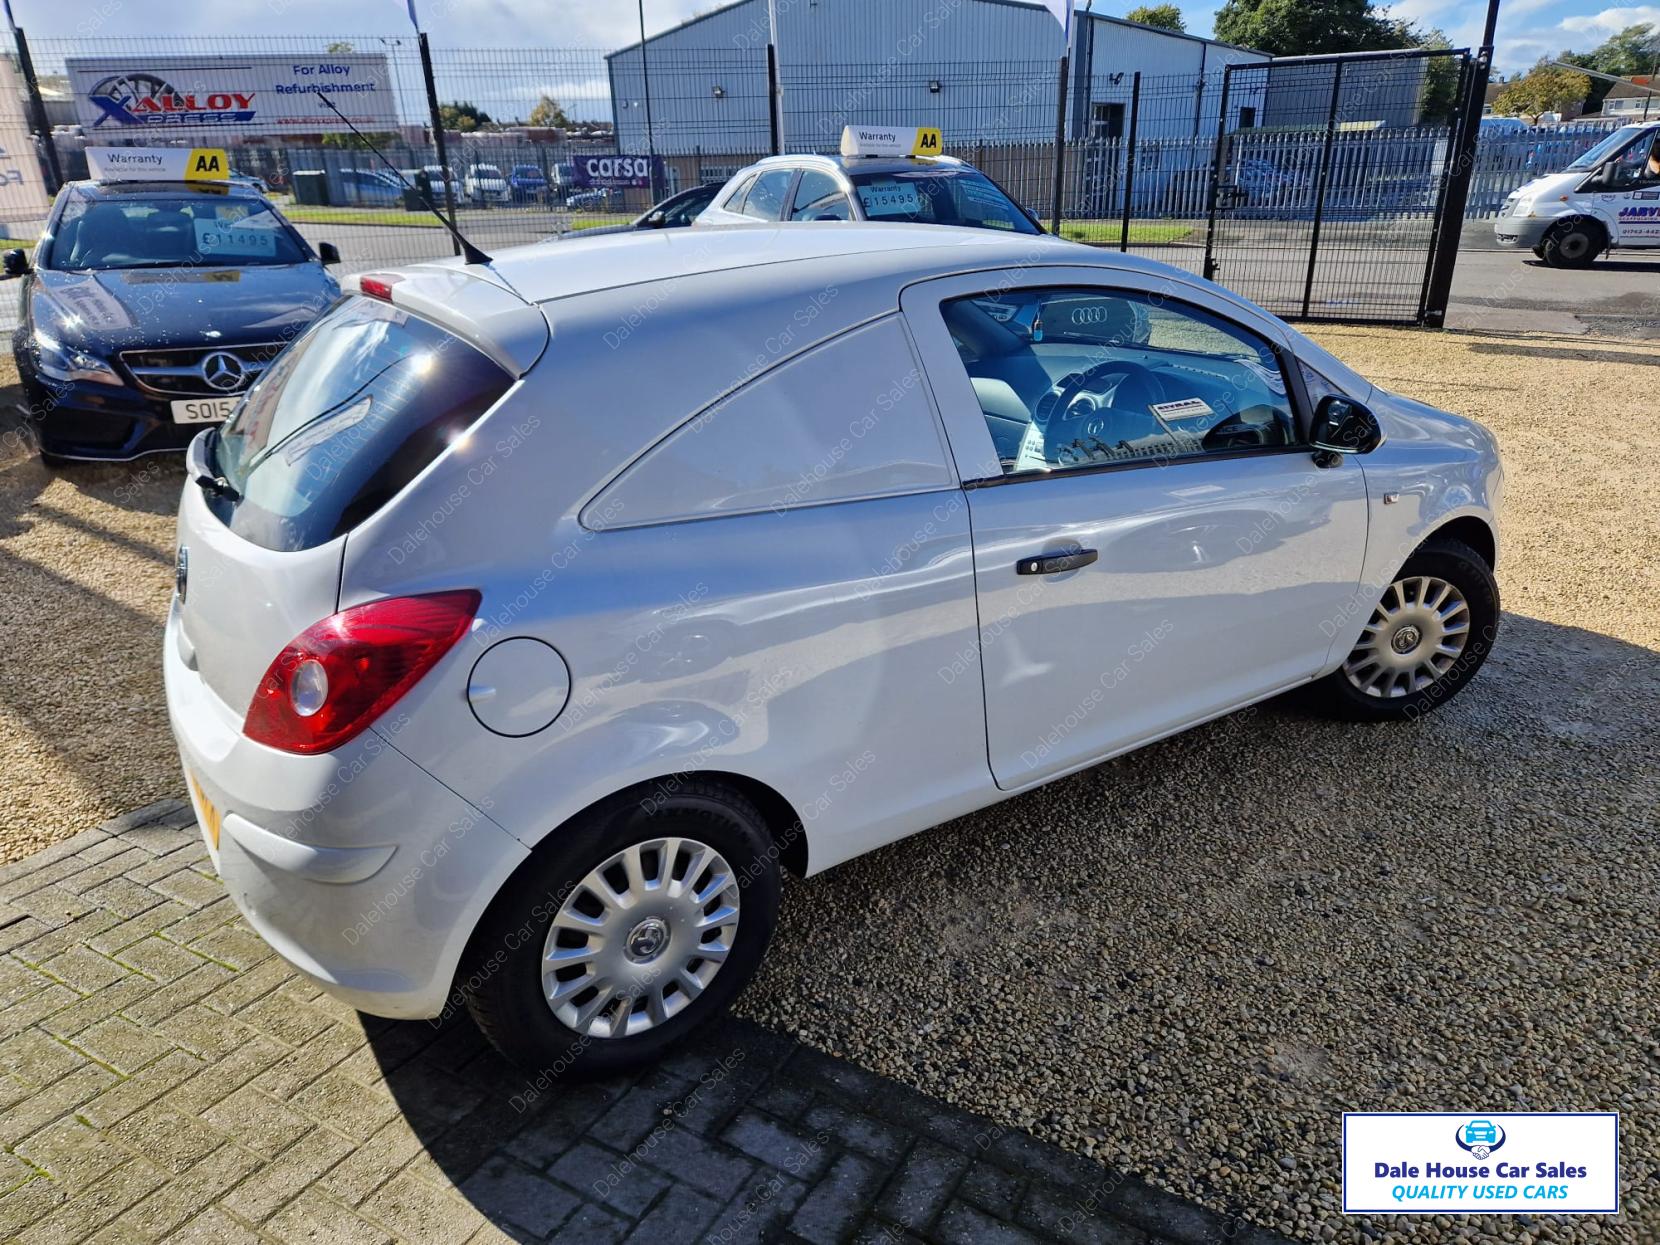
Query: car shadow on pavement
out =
(741, 1134)
(1329, 844)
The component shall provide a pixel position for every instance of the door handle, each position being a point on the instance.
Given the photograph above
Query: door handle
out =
(1055, 563)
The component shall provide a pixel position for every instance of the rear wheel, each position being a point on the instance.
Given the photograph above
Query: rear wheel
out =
(644, 921)
(1426, 638)
(1574, 245)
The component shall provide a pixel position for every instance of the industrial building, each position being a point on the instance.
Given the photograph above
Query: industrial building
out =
(983, 71)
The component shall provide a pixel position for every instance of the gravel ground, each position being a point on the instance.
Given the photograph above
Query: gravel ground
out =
(86, 562)
(1189, 961)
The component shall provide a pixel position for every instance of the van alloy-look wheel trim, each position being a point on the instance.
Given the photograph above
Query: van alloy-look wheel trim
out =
(640, 937)
(1415, 635)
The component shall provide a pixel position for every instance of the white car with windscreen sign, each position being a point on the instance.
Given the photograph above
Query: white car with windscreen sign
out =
(159, 291)
(892, 176)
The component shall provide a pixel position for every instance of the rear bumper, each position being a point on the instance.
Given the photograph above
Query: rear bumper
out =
(358, 867)
(1519, 231)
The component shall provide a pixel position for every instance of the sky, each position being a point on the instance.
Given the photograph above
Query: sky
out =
(1528, 29)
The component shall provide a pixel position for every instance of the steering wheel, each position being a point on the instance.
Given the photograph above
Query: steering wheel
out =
(1138, 388)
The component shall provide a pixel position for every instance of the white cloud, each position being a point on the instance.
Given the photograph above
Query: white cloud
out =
(1612, 21)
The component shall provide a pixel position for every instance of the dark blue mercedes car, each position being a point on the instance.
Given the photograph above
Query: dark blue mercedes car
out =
(151, 307)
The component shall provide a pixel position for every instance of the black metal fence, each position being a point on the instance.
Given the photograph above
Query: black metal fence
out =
(1334, 209)
(1315, 187)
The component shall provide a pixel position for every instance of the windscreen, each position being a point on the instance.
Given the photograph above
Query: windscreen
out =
(195, 230)
(939, 197)
(346, 416)
(1604, 150)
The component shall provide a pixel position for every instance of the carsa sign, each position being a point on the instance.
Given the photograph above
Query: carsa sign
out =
(134, 95)
(616, 172)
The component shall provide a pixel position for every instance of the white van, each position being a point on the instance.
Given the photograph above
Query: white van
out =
(1609, 197)
(494, 677)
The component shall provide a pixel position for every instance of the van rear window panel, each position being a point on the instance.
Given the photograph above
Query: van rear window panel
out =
(345, 418)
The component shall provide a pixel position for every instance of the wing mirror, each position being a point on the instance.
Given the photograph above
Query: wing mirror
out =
(328, 253)
(1343, 426)
(14, 263)
(656, 220)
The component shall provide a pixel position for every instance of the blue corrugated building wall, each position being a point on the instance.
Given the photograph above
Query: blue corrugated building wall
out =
(983, 71)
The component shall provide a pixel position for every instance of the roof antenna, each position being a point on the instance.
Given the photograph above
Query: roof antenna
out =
(468, 251)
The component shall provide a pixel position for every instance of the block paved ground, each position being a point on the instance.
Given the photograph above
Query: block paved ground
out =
(163, 1076)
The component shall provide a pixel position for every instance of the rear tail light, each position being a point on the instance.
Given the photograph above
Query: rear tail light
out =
(341, 674)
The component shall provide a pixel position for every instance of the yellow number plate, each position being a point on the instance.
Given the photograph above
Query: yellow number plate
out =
(205, 812)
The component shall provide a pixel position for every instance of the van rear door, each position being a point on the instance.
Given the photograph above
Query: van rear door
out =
(335, 427)
(239, 602)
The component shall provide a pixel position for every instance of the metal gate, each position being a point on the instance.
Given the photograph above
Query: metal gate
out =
(1330, 181)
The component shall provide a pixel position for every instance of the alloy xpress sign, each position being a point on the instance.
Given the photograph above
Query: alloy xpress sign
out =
(135, 95)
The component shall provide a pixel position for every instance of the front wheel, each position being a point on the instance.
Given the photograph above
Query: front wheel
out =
(1425, 639)
(1574, 245)
(641, 922)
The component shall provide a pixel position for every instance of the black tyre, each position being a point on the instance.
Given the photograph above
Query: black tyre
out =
(637, 925)
(1428, 635)
(1574, 245)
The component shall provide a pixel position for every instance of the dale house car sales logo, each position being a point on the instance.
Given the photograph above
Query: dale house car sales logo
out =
(1432, 1162)
(148, 100)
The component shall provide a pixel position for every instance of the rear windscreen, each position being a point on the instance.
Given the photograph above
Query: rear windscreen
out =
(345, 417)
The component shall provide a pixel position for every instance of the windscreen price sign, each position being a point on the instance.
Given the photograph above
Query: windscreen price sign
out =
(1424, 1163)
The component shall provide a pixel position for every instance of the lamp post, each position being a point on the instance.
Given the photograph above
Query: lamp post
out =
(775, 81)
(645, 75)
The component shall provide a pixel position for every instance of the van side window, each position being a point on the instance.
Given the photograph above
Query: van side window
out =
(1638, 166)
(782, 441)
(1081, 377)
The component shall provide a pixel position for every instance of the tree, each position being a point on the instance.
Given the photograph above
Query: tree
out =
(1438, 93)
(348, 141)
(548, 113)
(463, 117)
(1164, 16)
(1635, 50)
(1309, 27)
(1544, 88)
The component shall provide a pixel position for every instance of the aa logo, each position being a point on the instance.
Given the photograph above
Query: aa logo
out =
(927, 143)
(208, 164)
